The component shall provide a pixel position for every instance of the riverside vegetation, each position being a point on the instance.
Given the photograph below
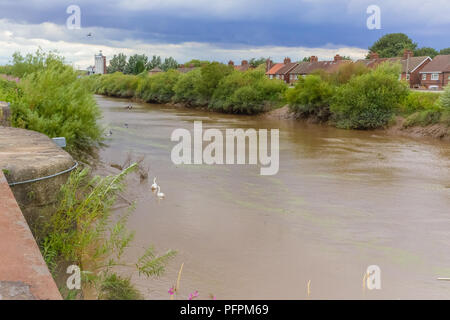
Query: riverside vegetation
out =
(354, 97)
(81, 229)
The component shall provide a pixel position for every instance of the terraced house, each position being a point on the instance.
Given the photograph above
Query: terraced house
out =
(436, 74)
(411, 66)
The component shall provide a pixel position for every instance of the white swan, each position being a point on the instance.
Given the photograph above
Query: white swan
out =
(154, 185)
(160, 194)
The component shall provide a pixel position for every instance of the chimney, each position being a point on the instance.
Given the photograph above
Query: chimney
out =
(230, 63)
(337, 58)
(287, 60)
(268, 64)
(407, 54)
(374, 55)
(244, 62)
(313, 59)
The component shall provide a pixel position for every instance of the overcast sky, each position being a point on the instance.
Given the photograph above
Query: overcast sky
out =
(216, 29)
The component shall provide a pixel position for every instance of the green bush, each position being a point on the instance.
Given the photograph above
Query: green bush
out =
(162, 86)
(53, 102)
(368, 101)
(419, 101)
(311, 97)
(186, 88)
(423, 118)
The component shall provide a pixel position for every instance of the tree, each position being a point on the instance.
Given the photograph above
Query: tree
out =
(117, 63)
(445, 98)
(257, 62)
(196, 63)
(136, 64)
(392, 45)
(426, 51)
(154, 63)
(169, 63)
(445, 51)
(212, 73)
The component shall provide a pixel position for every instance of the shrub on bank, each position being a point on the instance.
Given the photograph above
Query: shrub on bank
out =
(419, 101)
(53, 102)
(369, 101)
(311, 97)
(186, 88)
(445, 98)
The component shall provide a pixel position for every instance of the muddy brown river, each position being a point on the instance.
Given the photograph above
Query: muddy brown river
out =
(341, 201)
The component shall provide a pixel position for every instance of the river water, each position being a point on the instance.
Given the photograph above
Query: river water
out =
(341, 201)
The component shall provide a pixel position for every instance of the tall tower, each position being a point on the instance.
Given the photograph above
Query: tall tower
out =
(100, 63)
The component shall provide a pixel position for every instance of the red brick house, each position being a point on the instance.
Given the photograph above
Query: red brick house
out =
(272, 69)
(436, 74)
(284, 72)
(243, 67)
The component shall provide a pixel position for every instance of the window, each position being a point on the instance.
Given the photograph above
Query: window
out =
(435, 76)
(424, 76)
(271, 76)
(408, 76)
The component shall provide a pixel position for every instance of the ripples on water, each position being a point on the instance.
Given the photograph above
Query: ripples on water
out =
(342, 200)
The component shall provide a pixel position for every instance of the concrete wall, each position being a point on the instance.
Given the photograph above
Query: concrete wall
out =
(23, 272)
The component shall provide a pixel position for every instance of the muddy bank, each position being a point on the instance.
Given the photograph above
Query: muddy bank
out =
(436, 131)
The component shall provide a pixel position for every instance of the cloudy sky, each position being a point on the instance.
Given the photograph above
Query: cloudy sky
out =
(216, 29)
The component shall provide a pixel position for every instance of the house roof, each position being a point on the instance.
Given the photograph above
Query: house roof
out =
(286, 68)
(156, 69)
(309, 67)
(275, 68)
(412, 63)
(440, 63)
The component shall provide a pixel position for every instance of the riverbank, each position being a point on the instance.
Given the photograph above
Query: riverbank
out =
(438, 131)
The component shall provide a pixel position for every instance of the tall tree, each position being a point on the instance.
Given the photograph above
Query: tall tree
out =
(117, 63)
(136, 64)
(169, 63)
(392, 45)
(426, 51)
(445, 51)
(155, 62)
(254, 62)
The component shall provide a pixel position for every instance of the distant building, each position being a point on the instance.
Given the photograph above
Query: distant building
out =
(155, 71)
(436, 74)
(100, 63)
(243, 67)
(90, 70)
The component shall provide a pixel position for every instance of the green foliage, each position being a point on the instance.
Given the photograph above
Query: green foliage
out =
(392, 45)
(214, 85)
(445, 51)
(53, 101)
(81, 231)
(185, 88)
(137, 63)
(162, 85)
(346, 72)
(419, 101)
(169, 63)
(211, 74)
(247, 92)
(311, 97)
(445, 98)
(114, 287)
(196, 63)
(423, 118)
(30, 63)
(118, 63)
(426, 51)
(254, 63)
(368, 101)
